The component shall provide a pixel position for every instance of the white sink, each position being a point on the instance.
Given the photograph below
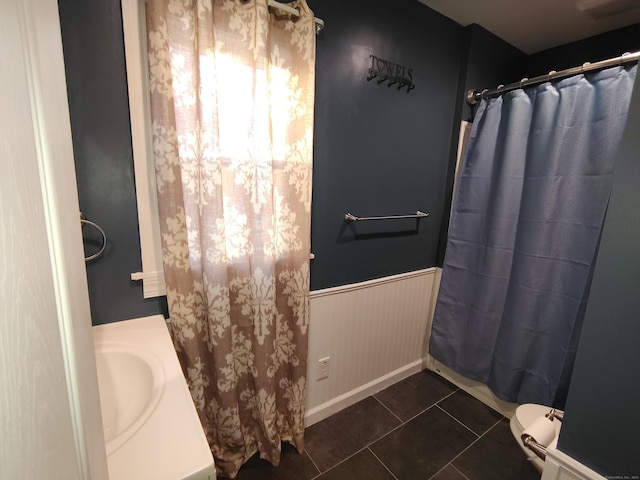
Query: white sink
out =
(151, 427)
(121, 372)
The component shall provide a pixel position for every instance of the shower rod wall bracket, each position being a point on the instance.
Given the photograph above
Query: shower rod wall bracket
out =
(353, 218)
(283, 7)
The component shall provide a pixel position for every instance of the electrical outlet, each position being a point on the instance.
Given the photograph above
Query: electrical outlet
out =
(323, 368)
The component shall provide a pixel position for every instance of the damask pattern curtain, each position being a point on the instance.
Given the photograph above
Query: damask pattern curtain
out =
(232, 91)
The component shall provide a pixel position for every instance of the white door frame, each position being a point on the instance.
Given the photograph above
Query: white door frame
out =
(51, 415)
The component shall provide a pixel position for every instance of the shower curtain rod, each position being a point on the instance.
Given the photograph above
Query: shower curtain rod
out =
(474, 96)
(292, 11)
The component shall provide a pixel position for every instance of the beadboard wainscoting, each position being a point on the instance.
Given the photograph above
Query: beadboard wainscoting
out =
(374, 334)
(560, 466)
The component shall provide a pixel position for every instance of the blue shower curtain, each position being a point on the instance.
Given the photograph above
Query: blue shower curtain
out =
(525, 225)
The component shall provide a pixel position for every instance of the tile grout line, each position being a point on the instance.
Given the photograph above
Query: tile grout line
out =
(357, 452)
(438, 472)
(458, 470)
(478, 436)
(474, 442)
(459, 421)
(388, 409)
(402, 423)
(340, 462)
(429, 407)
(383, 464)
(432, 477)
(349, 458)
(360, 450)
(314, 464)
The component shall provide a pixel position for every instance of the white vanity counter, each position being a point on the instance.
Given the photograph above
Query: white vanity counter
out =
(152, 430)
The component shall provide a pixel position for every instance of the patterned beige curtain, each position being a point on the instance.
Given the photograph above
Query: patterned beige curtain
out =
(232, 90)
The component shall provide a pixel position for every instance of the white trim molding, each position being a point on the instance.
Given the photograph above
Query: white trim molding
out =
(153, 283)
(560, 466)
(347, 399)
(369, 283)
(135, 45)
(50, 406)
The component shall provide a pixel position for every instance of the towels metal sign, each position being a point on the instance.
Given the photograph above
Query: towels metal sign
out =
(395, 74)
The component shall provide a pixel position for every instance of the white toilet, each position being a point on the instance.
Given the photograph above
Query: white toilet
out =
(524, 417)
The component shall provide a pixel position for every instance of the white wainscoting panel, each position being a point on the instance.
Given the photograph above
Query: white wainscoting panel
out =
(374, 333)
(560, 466)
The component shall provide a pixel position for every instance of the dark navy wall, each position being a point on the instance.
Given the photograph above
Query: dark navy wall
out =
(602, 418)
(593, 49)
(98, 104)
(487, 61)
(377, 150)
(490, 61)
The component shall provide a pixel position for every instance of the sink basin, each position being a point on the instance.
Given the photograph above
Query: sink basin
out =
(130, 386)
(151, 427)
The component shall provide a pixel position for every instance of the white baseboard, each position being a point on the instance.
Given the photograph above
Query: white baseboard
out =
(334, 405)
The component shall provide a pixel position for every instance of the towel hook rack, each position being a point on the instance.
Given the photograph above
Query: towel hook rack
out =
(353, 218)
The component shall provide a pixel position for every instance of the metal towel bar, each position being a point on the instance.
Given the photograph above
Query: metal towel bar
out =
(353, 218)
(84, 221)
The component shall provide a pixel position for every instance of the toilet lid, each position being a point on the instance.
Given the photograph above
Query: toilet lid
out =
(527, 413)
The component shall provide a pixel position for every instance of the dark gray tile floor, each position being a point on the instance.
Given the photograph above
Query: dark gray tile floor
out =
(418, 429)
